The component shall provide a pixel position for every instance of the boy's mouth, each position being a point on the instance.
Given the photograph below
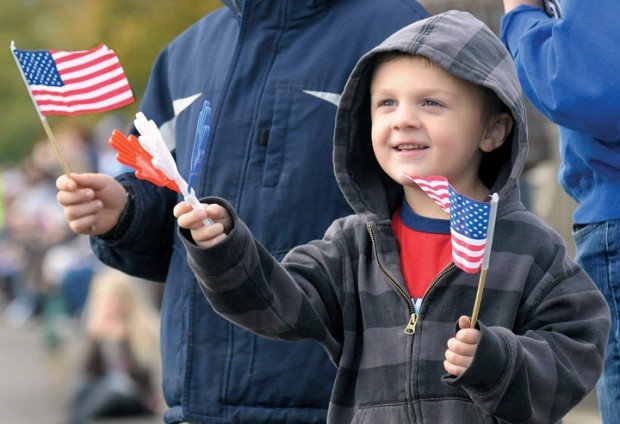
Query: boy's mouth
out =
(411, 147)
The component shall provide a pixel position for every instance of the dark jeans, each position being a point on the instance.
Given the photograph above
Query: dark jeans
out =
(598, 252)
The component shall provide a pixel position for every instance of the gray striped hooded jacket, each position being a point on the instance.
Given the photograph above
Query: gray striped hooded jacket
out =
(543, 323)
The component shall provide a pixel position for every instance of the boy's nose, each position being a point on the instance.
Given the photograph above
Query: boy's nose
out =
(405, 117)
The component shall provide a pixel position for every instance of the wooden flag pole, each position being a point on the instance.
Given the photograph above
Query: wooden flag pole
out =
(474, 315)
(55, 147)
(485, 259)
(46, 126)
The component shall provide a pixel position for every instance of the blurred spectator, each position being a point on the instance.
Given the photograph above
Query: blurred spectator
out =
(11, 253)
(34, 225)
(121, 374)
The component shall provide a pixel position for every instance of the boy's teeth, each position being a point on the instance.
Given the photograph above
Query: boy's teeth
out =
(410, 147)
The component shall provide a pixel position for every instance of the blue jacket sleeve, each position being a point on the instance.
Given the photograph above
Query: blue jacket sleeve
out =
(145, 249)
(569, 67)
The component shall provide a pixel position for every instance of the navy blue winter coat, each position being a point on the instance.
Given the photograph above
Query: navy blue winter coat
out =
(273, 75)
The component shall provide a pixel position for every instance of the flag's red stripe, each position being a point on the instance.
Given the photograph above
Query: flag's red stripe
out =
(475, 248)
(467, 268)
(81, 58)
(100, 98)
(90, 64)
(85, 90)
(473, 259)
(93, 74)
(93, 110)
(464, 258)
(68, 56)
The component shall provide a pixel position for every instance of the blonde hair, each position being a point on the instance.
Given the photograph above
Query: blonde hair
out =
(490, 102)
(142, 315)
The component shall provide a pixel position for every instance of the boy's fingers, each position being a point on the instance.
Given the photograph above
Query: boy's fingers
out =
(464, 322)
(189, 218)
(468, 336)
(209, 236)
(216, 211)
(453, 369)
(94, 181)
(181, 208)
(84, 225)
(457, 358)
(75, 197)
(65, 183)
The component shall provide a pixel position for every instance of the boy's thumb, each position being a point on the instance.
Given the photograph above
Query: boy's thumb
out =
(464, 322)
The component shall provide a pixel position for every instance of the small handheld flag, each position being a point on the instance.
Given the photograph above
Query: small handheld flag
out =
(472, 225)
(469, 221)
(485, 259)
(72, 83)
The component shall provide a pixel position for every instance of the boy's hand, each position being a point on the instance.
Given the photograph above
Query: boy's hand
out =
(461, 348)
(92, 202)
(204, 236)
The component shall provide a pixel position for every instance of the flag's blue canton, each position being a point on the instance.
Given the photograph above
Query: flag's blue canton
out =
(468, 217)
(39, 68)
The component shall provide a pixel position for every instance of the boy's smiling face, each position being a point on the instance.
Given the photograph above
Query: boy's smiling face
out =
(425, 121)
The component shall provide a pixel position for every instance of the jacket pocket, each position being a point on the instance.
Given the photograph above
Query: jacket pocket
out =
(291, 144)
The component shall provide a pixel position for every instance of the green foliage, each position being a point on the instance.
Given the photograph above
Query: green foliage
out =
(135, 29)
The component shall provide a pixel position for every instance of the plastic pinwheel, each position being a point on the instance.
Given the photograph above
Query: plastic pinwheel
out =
(153, 162)
(130, 153)
(203, 129)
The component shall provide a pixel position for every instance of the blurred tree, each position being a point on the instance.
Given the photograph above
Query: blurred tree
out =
(135, 29)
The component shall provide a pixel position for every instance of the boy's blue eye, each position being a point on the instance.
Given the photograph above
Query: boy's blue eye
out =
(429, 102)
(388, 103)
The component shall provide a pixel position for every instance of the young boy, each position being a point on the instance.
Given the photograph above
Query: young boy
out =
(439, 97)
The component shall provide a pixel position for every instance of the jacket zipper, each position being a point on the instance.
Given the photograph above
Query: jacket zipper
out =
(413, 318)
(436, 279)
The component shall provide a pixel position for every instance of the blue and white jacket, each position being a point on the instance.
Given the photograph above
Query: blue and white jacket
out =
(273, 75)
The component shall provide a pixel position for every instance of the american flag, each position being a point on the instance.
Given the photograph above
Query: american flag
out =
(73, 83)
(469, 221)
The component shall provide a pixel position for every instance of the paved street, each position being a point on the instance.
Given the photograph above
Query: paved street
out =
(34, 382)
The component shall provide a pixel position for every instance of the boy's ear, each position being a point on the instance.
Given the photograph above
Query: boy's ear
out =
(496, 132)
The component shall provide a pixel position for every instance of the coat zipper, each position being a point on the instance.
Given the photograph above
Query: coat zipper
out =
(413, 318)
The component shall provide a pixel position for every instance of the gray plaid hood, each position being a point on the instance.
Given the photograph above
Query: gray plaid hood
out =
(465, 47)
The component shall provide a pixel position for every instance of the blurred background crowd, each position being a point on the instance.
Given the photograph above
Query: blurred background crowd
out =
(83, 335)
(49, 277)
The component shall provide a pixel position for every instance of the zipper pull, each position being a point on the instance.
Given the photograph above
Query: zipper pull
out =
(410, 328)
